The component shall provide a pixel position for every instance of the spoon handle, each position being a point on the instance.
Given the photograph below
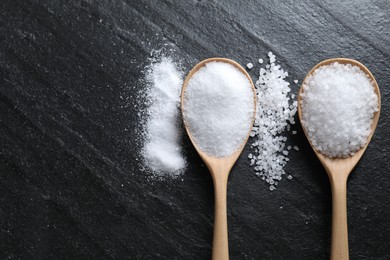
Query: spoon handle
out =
(339, 245)
(220, 241)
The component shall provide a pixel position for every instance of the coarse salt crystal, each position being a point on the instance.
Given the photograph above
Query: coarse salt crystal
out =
(274, 114)
(338, 105)
(272, 58)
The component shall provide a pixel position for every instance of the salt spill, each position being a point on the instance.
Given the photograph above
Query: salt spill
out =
(275, 113)
(162, 150)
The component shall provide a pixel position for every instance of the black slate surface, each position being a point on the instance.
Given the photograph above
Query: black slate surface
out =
(70, 182)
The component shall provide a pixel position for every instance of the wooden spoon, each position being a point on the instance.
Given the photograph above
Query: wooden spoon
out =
(338, 169)
(219, 168)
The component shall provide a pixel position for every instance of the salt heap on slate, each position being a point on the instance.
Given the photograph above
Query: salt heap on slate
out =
(275, 113)
(338, 105)
(162, 149)
(218, 108)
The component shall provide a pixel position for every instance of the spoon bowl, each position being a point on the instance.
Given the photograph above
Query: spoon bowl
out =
(338, 169)
(219, 167)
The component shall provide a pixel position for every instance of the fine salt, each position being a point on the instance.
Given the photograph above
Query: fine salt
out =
(218, 108)
(274, 114)
(338, 105)
(162, 150)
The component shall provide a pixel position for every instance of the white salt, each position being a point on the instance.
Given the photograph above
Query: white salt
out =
(273, 116)
(261, 61)
(296, 81)
(338, 105)
(249, 65)
(272, 57)
(162, 150)
(218, 108)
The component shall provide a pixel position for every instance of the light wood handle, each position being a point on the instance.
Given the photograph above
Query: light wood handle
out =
(339, 244)
(220, 241)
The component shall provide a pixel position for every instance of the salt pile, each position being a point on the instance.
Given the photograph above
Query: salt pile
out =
(275, 113)
(338, 105)
(218, 108)
(162, 150)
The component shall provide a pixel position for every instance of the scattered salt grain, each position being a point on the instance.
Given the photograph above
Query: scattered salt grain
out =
(296, 148)
(261, 61)
(289, 177)
(162, 150)
(272, 57)
(218, 108)
(274, 114)
(249, 65)
(296, 81)
(338, 105)
(294, 132)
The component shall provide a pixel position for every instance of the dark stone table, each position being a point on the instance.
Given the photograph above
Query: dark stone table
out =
(70, 180)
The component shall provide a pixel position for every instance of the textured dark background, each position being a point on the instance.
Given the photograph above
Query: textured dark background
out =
(70, 183)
